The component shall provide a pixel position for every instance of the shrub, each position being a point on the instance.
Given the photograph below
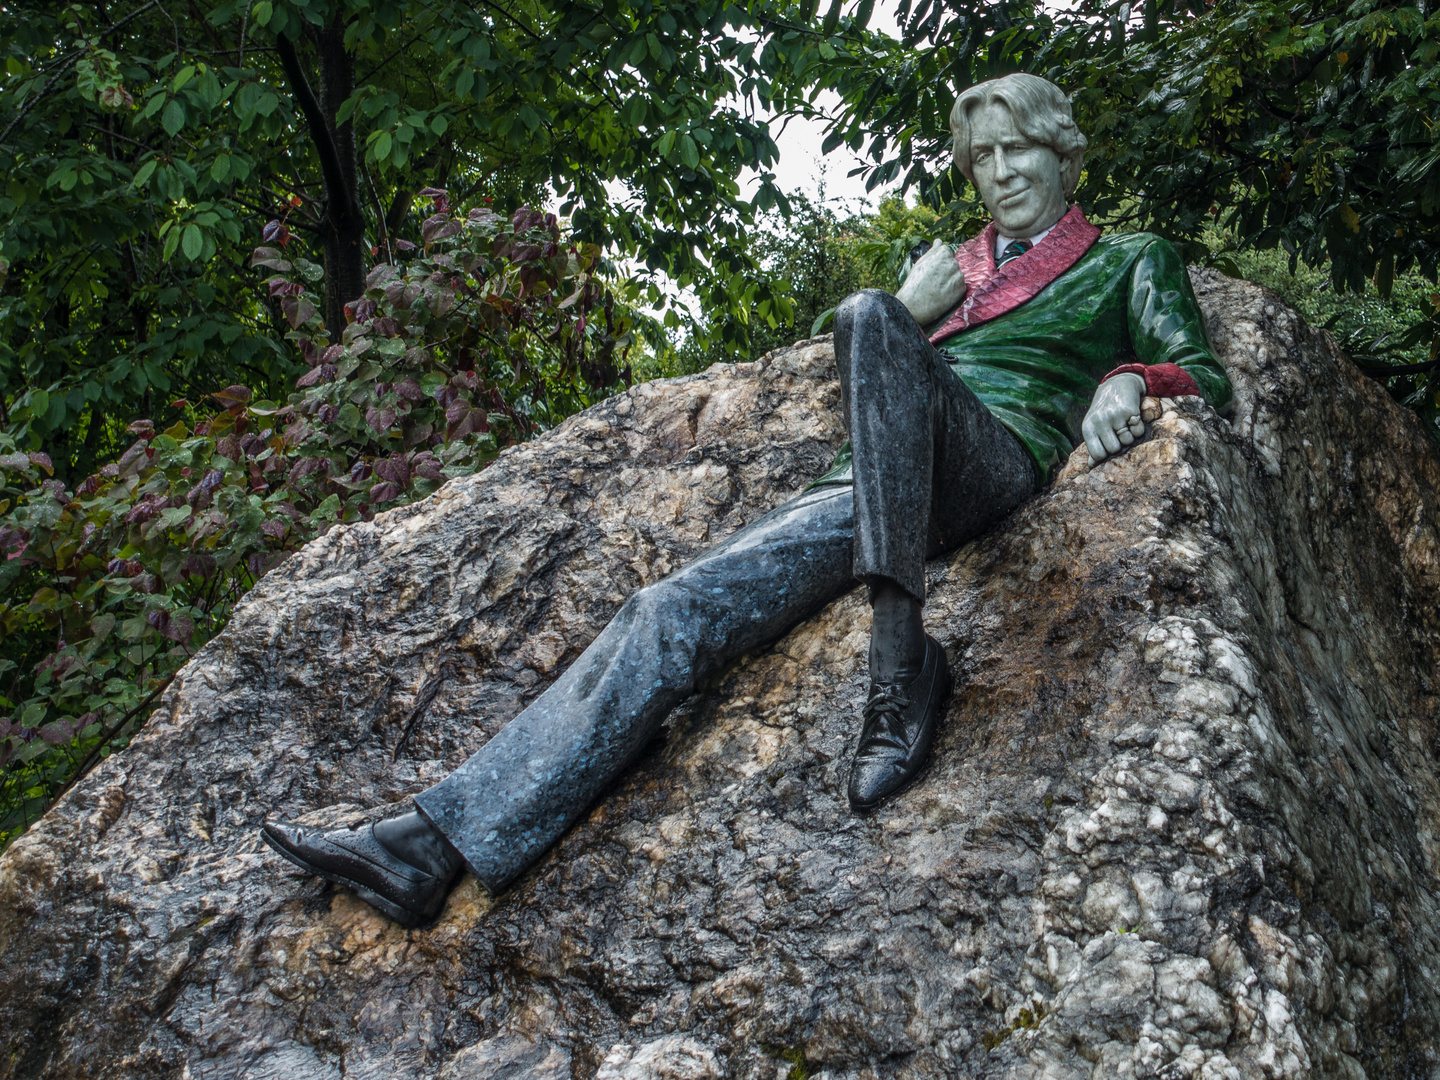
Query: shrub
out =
(491, 330)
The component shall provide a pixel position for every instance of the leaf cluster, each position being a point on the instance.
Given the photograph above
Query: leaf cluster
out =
(492, 329)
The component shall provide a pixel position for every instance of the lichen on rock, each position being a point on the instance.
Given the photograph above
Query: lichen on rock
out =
(1182, 820)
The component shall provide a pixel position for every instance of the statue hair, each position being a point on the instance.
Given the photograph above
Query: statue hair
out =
(1041, 111)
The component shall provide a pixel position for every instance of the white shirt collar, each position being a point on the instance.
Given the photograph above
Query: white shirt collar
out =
(1002, 241)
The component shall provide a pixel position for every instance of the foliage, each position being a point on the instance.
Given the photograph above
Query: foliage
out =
(496, 327)
(818, 255)
(1299, 124)
(143, 144)
(1376, 332)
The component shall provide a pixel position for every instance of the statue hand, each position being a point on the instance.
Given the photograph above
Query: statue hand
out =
(934, 285)
(1114, 417)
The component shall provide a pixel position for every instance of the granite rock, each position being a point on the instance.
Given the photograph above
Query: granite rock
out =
(1183, 818)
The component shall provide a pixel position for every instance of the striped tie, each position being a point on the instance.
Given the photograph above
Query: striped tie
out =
(1013, 250)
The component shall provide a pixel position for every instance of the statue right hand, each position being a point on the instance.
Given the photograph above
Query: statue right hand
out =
(935, 285)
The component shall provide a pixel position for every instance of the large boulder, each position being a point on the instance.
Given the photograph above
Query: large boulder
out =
(1183, 818)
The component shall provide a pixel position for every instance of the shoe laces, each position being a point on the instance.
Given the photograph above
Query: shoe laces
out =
(882, 716)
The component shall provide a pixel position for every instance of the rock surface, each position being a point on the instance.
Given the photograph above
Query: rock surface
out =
(1183, 819)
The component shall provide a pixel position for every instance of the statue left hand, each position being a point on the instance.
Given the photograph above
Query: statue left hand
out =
(1113, 421)
(934, 285)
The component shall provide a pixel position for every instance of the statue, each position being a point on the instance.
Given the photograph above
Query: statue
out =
(1039, 333)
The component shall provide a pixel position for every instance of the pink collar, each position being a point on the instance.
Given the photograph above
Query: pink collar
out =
(993, 291)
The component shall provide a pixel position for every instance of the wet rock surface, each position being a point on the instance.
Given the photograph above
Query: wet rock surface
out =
(1182, 820)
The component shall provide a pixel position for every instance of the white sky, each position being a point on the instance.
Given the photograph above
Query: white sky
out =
(802, 168)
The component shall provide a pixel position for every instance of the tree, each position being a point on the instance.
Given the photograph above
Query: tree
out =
(144, 145)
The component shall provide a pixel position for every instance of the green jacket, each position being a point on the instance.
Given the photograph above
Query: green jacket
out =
(1036, 367)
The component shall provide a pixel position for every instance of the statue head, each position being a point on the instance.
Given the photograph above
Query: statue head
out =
(1017, 142)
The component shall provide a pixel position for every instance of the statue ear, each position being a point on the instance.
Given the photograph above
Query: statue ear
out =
(1070, 171)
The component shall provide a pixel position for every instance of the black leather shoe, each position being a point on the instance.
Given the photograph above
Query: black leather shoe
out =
(402, 866)
(899, 729)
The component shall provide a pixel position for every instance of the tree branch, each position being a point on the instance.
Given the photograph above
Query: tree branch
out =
(325, 148)
(1388, 372)
(64, 66)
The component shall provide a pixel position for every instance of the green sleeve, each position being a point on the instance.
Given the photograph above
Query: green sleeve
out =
(1166, 326)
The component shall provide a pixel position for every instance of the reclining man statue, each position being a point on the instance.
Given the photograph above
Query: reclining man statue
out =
(1040, 333)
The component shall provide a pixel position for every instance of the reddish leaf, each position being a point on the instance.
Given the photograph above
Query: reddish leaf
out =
(438, 227)
(42, 459)
(232, 397)
(199, 565)
(144, 510)
(297, 310)
(360, 310)
(58, 733)
(393, 468)
(13, 541)
(380, 275)
(384, 492)
(270, 258)
(303, 468)
(380, 419)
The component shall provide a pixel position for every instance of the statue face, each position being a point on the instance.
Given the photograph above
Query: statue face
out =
(1019, 180)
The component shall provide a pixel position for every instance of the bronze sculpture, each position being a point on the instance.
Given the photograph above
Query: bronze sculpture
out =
(1041, 333)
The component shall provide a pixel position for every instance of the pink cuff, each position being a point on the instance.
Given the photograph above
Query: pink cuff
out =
(1161, 380)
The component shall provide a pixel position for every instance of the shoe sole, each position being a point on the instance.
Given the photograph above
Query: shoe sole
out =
(406, 918)
(866, 809)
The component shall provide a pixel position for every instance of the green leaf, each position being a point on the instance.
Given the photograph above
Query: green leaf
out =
(193, 242)
(261, 12)
(143, 174)
(327, 509)
(689, 153)
(183, 76)
(221, 168)
(380, 145)
(173, 118)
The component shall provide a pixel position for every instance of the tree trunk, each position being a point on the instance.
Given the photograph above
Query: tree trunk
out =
(343, 224)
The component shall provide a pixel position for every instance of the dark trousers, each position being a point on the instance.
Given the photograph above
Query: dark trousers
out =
(932, 469)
